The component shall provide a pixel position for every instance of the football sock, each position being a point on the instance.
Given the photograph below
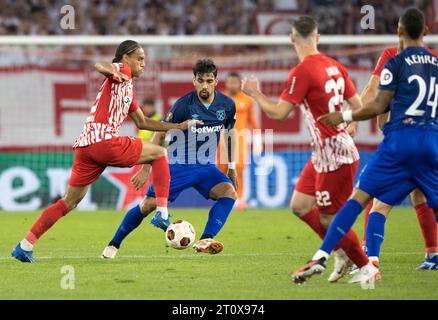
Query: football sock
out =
(342, 223)
(132, 220)
(375, 233)
(46, 220)
(353, 249)
(218, 216)
(26, 245)
(350, 243)
(426, 218)
(312, 220)
(365, 221)
(164, 212)
(161, 181)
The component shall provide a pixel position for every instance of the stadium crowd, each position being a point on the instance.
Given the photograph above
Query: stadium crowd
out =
(203, 17)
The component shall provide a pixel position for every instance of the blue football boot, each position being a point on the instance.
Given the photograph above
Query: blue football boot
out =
(22, 255)
(159, 222)
(429, 264)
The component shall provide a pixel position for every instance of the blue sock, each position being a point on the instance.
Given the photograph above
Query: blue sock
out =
(342, 223)
(375, 233)
(132, 220)
(217, 217)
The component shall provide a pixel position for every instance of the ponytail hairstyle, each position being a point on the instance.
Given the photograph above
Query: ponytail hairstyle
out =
(126, 47)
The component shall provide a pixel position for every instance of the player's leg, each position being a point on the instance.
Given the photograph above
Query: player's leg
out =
(84, 172)
(333, 189)
(375, 230)
(426, 178)
(225, 196)
(339, 227)
(131, 221)
(426, 219)
(366, 215)
(157, 157)
(217, 186)
(181, 179)
(386, 179)
(367, 212)
(303, 200)
(72, 197)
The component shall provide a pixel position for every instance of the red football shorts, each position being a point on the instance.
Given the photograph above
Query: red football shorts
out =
(90, 161)
(331, 189)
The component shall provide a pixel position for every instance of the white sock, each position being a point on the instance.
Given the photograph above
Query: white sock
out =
(431, 255)
(320, 254)
(164, 213)
(26, 245)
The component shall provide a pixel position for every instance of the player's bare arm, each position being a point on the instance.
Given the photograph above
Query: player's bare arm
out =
(232, 174)
(145, 123)
(369, 93)
(370, 110)
(354, 103)
(276, 111)
(107, 69)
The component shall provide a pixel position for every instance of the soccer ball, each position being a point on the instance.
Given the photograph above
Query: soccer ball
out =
(180, 234)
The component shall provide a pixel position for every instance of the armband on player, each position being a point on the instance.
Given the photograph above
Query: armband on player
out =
(232, 165)
(347, 115)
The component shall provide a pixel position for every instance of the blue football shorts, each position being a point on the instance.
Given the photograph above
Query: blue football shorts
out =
(202, 177)
(407, 158)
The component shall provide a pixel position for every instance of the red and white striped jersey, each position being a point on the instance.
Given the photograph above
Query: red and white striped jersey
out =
(320, 84)
(113, 103)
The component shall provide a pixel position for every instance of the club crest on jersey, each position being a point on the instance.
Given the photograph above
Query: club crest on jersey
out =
(195, 116)
(221, 115)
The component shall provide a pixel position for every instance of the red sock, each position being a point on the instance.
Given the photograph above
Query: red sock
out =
(350, 243)
(161, 180)
(312, 220)
(46, 220)
(426, 218)
(365, 222)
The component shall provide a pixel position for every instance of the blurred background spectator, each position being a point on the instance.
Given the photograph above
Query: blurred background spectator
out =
(196, 17)
(203, 17)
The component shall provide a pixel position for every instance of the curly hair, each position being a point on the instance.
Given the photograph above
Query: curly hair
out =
(204, 66)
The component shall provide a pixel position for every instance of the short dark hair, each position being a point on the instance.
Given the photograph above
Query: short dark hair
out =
(234, 75)
(413, 23)
(305, 25)
(204, 66)
(126, 47)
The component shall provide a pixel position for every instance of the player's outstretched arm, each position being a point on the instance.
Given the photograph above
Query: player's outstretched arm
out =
(144, 123)
(107, 69)
(369, 93)
(375, 107)
(277, 111)
(370, 110)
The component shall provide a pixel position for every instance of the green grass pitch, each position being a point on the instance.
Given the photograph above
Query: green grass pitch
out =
(262, 247)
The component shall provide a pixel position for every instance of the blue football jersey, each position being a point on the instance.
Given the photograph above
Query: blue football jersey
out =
(198, 145)
(412, 76)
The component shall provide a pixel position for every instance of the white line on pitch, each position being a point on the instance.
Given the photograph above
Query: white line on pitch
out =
(194, 256)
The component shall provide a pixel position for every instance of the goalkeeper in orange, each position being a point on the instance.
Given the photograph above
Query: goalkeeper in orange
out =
(245, 119)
